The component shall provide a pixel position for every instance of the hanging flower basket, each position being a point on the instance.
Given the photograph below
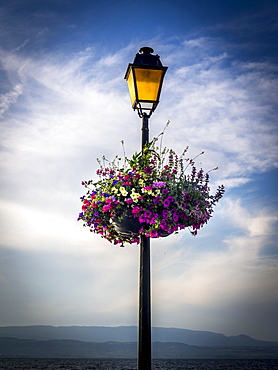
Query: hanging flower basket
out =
(153, 194)
(127, 226)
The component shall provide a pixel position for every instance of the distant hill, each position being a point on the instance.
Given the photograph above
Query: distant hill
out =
(30, 348)
(102, 334)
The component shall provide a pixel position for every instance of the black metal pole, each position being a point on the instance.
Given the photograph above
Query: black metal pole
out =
(145, 130)
(144, 339)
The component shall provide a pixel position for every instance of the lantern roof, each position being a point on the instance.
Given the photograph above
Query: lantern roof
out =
(144, 57)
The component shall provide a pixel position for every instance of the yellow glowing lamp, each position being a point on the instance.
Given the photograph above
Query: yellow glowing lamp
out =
(144, 79)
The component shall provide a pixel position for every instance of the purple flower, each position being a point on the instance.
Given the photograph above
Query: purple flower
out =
(129, 201)
(147, 214)
(153, 234)
(106, 194)
(159, 184)
(163, 225)
(142, 219)
(166, 202)
(196, 226)
(165, 191)
(152, 221)
(157, 199)
(148, 170)
(80, 216)
(175, 217)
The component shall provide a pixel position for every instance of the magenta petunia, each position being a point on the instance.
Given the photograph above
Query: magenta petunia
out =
(148, 170)
(129, 200)
(159, 184)
(157, 199)
(166, 203)
(147, 214)
(135, 210)
(153, 234)
(175, 218)
(147, 188)
(107, 208)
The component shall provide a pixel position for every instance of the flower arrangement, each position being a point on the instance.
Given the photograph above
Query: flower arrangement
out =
(154, 190)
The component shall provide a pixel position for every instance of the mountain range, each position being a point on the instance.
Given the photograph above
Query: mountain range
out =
(121, 342)
(103, 334)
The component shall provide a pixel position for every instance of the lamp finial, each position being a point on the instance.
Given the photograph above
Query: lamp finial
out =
(146, 50)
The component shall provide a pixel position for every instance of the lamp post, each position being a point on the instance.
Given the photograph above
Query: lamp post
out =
(144, 78)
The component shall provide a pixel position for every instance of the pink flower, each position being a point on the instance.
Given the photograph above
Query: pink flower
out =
(136, 210)
(85, 205)
(147, 188)
(129, 200)
(107, 208)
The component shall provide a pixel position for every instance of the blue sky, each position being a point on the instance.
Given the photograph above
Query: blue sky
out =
(64, 103)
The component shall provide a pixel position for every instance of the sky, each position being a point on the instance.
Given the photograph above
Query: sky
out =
(64, 102)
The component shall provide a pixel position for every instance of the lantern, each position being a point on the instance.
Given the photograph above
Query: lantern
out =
(144, 79)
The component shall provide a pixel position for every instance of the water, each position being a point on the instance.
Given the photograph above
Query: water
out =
(131, 364)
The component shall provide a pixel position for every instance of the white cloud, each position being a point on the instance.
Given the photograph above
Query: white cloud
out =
(10, 98)
(255, 221)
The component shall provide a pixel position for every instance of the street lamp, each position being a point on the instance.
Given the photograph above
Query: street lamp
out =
(144, 79)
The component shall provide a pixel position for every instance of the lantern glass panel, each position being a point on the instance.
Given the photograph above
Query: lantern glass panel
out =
(148, 83)
(146, 105)
(131, 87)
